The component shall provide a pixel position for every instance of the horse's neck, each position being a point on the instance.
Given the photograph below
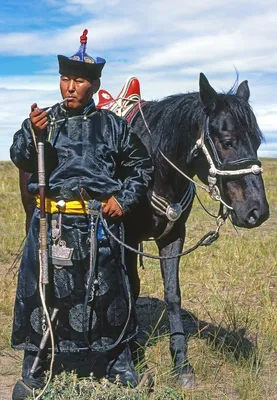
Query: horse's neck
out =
(171, 186)
(169, 181)
(176, 145)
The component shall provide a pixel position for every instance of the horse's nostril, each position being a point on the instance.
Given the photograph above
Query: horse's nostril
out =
(253, 217)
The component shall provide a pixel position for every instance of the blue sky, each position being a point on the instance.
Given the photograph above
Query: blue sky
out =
(166, 44)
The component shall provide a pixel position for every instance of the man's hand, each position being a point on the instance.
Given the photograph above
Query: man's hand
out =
(38, 119)
(112, 209)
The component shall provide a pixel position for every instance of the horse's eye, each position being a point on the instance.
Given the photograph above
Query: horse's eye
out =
(227, 143)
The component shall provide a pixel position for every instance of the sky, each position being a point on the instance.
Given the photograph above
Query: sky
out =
(166, 44)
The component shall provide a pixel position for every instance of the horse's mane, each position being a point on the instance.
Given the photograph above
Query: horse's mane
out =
(173, 119)
(177, 118)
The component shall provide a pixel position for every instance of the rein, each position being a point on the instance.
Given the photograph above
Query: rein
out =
(95, 212)
(174, 211)
(206, 240)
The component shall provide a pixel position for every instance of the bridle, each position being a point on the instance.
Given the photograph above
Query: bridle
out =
(244, 165)
(217, 168)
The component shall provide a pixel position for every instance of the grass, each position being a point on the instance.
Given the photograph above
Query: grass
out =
(229, 300)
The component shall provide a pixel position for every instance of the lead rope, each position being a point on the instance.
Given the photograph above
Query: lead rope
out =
(95, 212)
(211, 182)
(212, 189)
(93, 283)
(206, 240)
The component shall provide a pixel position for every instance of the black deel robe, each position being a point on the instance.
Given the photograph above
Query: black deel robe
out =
(93, 153)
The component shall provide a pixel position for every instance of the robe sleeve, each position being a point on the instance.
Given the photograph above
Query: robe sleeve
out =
(135, 169)
(23, 151)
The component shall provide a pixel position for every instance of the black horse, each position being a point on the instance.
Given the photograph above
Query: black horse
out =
(214, 136)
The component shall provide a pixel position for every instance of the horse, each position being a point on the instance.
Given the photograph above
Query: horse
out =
(214, 136)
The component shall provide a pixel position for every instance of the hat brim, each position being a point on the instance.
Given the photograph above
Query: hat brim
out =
(90, 71)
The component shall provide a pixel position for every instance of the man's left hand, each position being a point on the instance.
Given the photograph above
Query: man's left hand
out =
(112, 209)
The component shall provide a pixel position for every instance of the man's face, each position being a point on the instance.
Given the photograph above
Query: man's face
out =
(78, 91)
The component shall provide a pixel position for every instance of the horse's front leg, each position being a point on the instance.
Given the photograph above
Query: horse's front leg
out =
(172, 296)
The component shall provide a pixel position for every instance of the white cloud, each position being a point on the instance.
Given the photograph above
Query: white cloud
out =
(29, 82)
(166, 44)
(14, 110)
(109, 34)
(268, 150)
(267, 119)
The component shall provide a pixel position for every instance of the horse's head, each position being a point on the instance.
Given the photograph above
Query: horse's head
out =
(229, 143)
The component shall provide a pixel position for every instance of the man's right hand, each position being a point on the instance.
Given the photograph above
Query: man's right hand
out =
(38, 119)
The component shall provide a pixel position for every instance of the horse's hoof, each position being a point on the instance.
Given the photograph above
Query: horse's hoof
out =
(187, 380)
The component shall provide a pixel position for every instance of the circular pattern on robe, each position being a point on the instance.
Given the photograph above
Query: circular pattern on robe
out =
(36, 320)
(103, 284)
(76, 318)
(67, 345)
(26, 346)
(63, 282)
(117, 312)
(28, 284)
(101, 344)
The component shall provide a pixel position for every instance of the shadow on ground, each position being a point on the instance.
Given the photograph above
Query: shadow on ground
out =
(154, 325)
(153, 322)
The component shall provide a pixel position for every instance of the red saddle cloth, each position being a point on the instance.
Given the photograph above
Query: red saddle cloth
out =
(124, 104)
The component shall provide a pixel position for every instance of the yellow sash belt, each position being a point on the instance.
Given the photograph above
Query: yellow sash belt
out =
(71, 207)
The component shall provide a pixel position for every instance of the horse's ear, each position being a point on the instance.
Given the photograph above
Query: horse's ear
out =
(208, 95)
(243, 90)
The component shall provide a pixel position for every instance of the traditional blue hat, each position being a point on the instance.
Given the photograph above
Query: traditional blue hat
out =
(81, 64)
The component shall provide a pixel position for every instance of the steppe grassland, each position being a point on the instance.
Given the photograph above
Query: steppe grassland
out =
(230, 289)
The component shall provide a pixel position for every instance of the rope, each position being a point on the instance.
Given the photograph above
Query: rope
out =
(206, 240)
(208, 190)
(92, 281)
(95, 208)
(204, 207)
(50, 332)
(199, 144)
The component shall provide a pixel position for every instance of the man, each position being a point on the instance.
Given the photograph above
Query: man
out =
(89, 154)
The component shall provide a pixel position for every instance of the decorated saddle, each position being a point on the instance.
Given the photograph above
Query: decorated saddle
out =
(128, 101)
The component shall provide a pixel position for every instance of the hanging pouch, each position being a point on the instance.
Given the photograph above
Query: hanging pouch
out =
(58, 252)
